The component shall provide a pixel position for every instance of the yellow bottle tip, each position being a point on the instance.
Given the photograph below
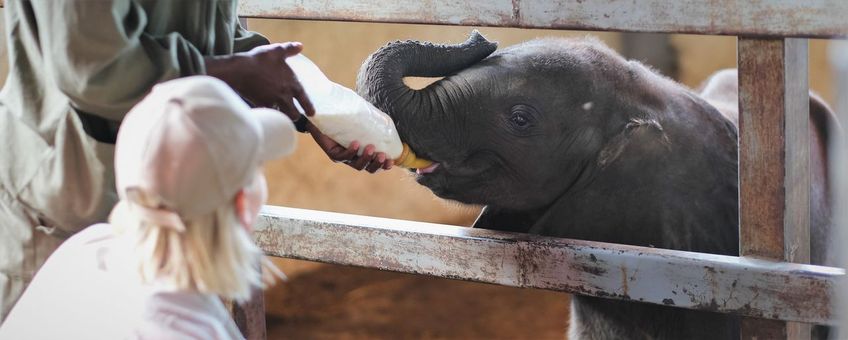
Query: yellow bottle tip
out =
(408, 159)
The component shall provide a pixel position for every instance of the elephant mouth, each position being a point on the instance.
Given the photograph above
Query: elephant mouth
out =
(448, 182)
(452, 180)
(434, 177)
(427, 170)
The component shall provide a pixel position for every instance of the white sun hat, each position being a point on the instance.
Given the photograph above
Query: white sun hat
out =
(194, 143)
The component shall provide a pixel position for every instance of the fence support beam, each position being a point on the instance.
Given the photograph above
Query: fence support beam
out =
(774, 170)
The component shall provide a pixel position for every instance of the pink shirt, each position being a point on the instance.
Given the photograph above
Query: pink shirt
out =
(84, 291)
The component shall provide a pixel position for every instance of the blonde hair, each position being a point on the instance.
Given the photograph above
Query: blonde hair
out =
(214, 254)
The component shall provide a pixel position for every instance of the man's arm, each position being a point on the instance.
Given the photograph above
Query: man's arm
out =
(101, 58)
(104, 62)
(247, 40)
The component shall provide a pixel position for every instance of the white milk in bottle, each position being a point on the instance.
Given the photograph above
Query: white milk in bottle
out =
(345, 117)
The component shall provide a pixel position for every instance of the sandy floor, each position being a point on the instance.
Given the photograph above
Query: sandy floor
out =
(335, 302)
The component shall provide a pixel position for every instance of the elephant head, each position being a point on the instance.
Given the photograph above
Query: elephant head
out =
(563, 137)
(566, 138)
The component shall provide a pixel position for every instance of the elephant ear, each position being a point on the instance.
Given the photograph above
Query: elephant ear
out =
(504, 220)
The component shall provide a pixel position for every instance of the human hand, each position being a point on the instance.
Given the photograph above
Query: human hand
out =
(369, 161)
(262, 77)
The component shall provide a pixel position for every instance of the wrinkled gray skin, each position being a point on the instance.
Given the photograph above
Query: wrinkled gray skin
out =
(565, 138)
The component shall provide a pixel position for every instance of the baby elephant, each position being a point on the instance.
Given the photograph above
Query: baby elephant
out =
(566, 138)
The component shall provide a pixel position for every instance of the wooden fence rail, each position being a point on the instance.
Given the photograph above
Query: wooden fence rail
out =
(774, 18)
(746, 286)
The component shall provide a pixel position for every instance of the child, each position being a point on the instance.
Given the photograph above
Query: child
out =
(187, 166)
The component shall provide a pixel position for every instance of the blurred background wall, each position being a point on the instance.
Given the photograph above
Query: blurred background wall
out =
(324, 301)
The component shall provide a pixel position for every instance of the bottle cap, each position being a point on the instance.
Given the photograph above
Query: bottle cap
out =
(409, 160)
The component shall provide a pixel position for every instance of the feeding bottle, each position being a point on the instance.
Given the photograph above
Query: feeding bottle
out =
(345, 117)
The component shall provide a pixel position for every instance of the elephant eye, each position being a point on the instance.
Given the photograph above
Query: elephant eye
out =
(519, 121)
(522, 118)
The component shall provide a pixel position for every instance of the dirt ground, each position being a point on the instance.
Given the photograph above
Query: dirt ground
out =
(334, 302)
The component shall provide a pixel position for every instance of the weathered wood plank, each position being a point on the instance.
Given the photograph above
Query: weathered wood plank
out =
(774, 160)
(250, 316)
(746, 286)
(810, 18)
(839, 169)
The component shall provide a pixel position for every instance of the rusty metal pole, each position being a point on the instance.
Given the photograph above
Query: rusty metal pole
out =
(774, 163)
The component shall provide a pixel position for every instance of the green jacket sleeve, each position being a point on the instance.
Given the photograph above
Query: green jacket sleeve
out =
(246, 40)
(101, 59)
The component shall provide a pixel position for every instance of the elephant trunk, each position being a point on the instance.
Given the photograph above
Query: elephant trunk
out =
(380, 79)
